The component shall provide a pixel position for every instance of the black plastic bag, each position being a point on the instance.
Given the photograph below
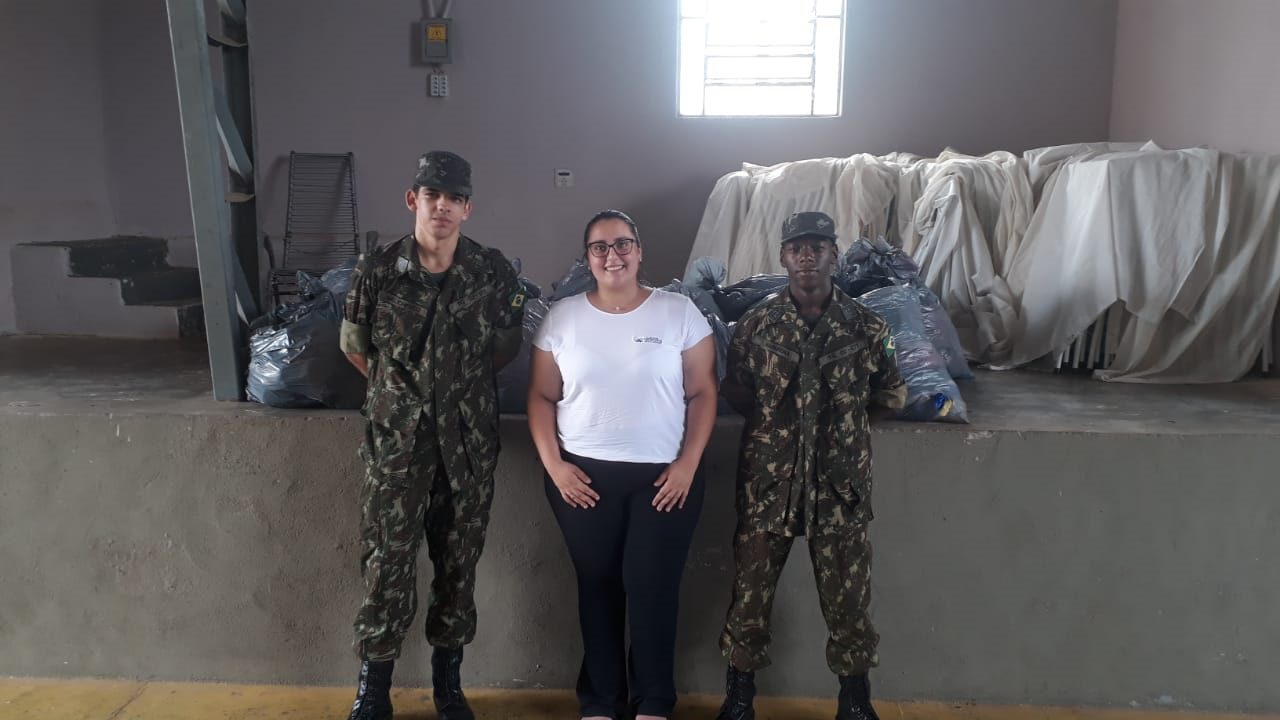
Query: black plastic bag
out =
(857, 287)
(706, 273)
(576, 280)
(530, 288)
(707, 306)
(877, 258)
(736, 299)
(294, 358)
(513, 380)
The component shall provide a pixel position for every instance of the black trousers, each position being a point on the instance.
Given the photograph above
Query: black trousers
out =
(629, 559)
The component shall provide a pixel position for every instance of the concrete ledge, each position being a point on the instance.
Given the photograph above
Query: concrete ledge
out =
(1050, 568)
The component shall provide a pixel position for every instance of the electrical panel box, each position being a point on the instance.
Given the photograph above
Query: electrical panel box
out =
(437, 41)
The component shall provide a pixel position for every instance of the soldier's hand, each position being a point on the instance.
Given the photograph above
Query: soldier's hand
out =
(675, 482)
(573, 484)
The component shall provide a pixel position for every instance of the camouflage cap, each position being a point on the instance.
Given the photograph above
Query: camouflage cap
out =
(805, 224)
(446, 171)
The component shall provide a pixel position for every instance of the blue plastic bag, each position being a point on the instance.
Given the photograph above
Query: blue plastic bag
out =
(931, 393)
(869, 264)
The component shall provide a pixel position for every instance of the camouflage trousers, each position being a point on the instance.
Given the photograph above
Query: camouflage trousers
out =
(842, 566)
(398, 513)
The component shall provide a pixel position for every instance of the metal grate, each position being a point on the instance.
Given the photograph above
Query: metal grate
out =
(322, 229)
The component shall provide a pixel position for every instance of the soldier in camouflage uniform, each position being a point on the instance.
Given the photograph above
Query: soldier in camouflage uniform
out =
(429, 319)
(803, 367)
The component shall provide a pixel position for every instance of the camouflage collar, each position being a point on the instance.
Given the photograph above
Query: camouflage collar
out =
(470, 255)
(845, 305)
(467, 255)
(779, 307)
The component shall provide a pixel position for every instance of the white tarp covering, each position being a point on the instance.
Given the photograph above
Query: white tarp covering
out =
(744, 214)
(968, 223)
(1180, 249)
(962, 217)
(1187, 242)
(1044, 163)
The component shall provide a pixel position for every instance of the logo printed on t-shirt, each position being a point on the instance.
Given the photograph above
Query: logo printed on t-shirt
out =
(647, 339)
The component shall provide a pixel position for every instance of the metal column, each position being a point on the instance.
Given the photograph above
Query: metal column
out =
(235, 120)
(226, 294)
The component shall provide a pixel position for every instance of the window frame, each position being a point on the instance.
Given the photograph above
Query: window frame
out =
(839, 70)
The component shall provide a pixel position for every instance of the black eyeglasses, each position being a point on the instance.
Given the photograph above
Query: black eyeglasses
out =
(622, 246)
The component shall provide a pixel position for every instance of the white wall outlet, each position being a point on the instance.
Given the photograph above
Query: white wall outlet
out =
(564, 178)
(438, 85)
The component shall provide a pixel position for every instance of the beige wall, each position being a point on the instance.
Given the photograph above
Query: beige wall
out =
(1198, 72)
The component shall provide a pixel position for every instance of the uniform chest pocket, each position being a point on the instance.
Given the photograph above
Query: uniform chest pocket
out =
(470, 319)
(399, 325)
(773, 365)
(844, 371)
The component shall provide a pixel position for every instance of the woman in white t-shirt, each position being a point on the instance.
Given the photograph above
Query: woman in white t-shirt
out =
(622, 398)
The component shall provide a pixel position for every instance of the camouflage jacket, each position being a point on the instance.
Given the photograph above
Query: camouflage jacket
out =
(805, 463)
(431, 340)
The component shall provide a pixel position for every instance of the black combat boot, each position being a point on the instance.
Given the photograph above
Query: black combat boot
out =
(739, 691)
(446, 679)
(855, 699)
(373, 696)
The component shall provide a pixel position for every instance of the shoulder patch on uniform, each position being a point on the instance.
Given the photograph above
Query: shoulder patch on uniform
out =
(888, 345)
(517, 299)
(402, 264)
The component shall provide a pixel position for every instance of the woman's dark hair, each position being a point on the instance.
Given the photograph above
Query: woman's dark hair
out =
(610, 215)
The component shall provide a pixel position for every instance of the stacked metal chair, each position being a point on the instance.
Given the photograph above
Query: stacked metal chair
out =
(322, 229)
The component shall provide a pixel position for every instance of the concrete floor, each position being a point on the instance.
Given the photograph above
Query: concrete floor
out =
(52, 375)
(103, 700)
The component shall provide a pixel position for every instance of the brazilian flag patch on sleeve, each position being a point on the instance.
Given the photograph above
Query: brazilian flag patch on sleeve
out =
(517, 300)
(888, 346)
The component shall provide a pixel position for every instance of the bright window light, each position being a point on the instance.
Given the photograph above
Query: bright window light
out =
(762, 58)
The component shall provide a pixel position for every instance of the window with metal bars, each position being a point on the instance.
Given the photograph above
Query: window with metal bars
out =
(763, 58)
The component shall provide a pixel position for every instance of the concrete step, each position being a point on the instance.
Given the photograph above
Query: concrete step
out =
(120, 291)
(116, 256)
(162, 285)
(190, 314)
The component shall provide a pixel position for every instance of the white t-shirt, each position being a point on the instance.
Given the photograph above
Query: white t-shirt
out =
(623, 396)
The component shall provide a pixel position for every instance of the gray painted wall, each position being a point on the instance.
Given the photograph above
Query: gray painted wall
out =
(566, 83)
(53, 185)
(1190, 72)
(590, 86)
(146, 167)
(1072, 568)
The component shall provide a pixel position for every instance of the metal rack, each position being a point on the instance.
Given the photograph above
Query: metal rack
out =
(322, 228)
